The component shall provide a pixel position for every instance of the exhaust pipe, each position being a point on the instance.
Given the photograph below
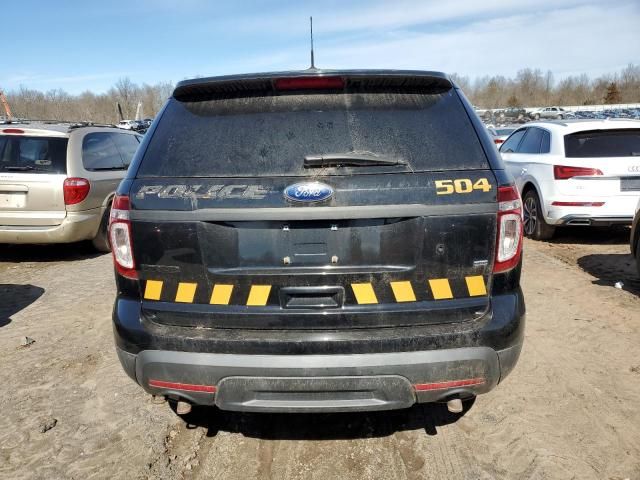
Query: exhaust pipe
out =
(183, 408)
(454, 405)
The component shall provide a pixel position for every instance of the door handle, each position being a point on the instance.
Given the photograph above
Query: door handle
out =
(524, 170)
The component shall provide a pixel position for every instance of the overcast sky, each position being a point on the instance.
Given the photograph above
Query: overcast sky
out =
(80, 45)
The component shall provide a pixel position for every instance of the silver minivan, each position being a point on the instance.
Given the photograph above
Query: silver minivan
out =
(57, 180)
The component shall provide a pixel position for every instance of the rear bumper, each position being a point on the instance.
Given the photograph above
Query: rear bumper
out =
(75, 227)
(358, 369)
(330, 383)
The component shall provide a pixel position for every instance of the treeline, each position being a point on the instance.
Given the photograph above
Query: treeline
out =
(533, 88)
(529, 88)
(88, 106)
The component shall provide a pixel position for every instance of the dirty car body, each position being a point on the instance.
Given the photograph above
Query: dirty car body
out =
(317, 241)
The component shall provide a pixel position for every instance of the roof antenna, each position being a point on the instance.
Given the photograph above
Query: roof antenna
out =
(313, 66)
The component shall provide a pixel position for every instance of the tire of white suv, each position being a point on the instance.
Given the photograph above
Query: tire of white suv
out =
(534, 225)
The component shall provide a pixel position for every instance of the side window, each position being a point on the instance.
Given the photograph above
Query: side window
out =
(99, 152)
(545, 145)
(127, 144)
(512, 142)
(531, 142)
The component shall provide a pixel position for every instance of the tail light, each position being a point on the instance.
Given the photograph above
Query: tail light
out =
(75, 190)
(562, 172)
(120, 237)
(498, 141)
(309, 83)
(509, 238)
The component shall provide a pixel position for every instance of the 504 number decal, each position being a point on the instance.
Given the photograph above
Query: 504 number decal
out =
(461, 185)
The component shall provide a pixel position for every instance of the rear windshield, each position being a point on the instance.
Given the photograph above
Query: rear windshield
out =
(271, 135)
(33, 154)
(603, 143)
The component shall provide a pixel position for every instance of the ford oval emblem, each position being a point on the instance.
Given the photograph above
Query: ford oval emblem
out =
(308, 192)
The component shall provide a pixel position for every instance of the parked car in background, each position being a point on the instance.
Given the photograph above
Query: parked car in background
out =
(128, 125)
(500, 134)
(512, 114)
(575, 172)
(548, 113)
(634, 241)
(57, 181)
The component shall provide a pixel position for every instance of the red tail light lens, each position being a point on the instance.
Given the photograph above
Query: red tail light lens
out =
(120, 237)
(13, 130)
(509, 238)
(498, 141)
(75, 190)
(309, 83)
(563, 172)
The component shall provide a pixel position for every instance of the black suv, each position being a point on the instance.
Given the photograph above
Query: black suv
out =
(318, 241)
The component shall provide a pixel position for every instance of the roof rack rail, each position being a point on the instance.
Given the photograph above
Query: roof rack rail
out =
(72, 123)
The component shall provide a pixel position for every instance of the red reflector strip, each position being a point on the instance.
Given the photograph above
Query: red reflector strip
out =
(12, 130)
(421, 387)
(577, 204)
(188, 387)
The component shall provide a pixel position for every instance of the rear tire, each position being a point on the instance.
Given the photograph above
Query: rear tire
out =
(536, 116)
(534, 225)
(101, 240)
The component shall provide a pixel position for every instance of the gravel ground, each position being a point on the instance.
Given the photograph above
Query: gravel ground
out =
(569, 409)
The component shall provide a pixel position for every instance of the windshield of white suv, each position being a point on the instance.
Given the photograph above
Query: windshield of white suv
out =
(33, 154)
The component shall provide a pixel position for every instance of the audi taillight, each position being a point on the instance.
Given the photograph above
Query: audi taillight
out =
(509, 238)
(120, 237)
(75, 190)
(563, 172)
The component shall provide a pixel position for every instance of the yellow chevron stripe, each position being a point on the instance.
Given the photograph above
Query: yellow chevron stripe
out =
(403, 291)
(258, 295)
(153, 289)
(186, 292)
(364, 293)
(440, 288)
(476, 285)
(221, 294)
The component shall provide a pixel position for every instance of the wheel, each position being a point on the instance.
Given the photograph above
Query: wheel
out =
(560, 117)
(101, 240)
(534, 225)
(536, 116)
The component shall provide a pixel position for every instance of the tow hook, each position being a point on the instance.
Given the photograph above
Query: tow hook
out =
(454, 405)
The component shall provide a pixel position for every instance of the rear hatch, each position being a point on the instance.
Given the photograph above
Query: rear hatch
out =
(283, 203)
(608, 163)
(33, 165)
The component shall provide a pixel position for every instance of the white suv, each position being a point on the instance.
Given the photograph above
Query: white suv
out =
(575, 172)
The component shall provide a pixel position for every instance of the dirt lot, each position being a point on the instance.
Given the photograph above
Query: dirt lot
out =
(569, 410)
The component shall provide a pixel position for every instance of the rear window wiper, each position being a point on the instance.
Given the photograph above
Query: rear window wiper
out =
(350, 159)
(24, 168)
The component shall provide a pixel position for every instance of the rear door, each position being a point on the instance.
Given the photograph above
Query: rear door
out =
(33, 167)
(243, 218)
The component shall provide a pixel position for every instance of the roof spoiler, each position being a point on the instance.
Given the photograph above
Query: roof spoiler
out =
(373, 80)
